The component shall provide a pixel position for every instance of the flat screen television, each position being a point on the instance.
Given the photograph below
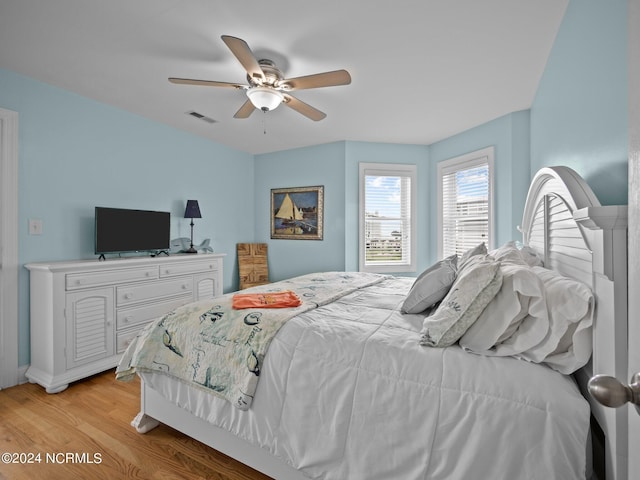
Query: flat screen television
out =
(120, 230)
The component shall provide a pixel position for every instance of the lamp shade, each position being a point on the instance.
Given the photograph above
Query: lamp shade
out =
(265, 98)
(192, 210)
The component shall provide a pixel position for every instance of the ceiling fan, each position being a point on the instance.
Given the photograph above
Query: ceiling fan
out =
(267, 88)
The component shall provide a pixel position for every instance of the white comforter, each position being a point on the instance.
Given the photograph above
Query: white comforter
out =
(347, 392)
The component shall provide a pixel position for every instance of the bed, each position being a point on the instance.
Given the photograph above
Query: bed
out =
(361, 382)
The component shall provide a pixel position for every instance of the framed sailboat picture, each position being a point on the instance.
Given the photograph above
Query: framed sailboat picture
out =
(297, 213)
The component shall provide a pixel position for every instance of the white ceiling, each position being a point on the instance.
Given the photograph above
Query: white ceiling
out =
(422, 70)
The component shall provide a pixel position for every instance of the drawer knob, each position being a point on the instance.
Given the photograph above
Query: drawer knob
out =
(128, 318)
(128, 296)
(184, 286)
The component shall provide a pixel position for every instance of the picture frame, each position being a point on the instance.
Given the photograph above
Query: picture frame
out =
(297, 213)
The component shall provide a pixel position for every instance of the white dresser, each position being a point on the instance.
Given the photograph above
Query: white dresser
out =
(85, 313)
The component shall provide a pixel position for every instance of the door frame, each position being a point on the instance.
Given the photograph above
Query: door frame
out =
(8, 248)
(633, 56)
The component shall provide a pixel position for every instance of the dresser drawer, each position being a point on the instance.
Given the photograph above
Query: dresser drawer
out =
(130, 317)
(123, 339)
(130, 294)
(185, 268)
(75, 281)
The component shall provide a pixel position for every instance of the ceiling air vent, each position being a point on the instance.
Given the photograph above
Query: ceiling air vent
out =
(199, 116)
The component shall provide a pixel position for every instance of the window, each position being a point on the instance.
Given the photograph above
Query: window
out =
(464, 202)
(387, 217)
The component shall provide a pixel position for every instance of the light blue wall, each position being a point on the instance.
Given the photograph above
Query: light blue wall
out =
(303, 167)
(579, 116)
(509, 135)
(76, 153)
(335, 166)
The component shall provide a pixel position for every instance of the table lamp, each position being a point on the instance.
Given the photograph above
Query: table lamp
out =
(192, 211)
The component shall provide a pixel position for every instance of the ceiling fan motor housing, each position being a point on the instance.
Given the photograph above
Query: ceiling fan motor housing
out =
(272, 74)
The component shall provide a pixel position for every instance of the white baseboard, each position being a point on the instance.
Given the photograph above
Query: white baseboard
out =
(22, 377)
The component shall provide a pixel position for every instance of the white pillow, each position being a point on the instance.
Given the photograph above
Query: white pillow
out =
(473, 289)
(530, 256)
(568, 343)
(515, 252)
(431, 286)
(515, 320)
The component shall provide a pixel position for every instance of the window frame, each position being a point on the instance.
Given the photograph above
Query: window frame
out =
(395, 170)
(464, 162)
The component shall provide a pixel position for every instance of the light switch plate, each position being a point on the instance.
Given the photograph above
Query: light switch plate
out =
(35, 226)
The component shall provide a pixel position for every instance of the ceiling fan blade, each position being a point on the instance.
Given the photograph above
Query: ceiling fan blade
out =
(204, 83)
(245, 110)
(303, 108)
(327, 79)
(245, 56)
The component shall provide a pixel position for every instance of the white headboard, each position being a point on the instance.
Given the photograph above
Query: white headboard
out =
(565, 224)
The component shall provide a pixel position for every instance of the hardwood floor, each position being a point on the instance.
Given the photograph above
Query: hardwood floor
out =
(84, 432)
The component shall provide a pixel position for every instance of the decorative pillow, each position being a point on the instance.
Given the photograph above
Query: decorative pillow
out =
(568, 343)
(477, 250)
(431, 286)
(474, 288)
(473, 260)
(515, 320)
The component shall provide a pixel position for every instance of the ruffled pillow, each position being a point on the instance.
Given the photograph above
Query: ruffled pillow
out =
(569, 341)
(515, 252)
(515, 320)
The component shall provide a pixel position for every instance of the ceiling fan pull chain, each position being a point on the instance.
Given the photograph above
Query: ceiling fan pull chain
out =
(264, 122)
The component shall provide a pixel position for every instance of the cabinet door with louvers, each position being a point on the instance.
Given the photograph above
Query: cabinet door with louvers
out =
(90, 326)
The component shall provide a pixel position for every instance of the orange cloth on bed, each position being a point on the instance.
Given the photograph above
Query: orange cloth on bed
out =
(283, 299)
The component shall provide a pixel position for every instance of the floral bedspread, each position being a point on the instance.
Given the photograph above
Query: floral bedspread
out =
(210, 345)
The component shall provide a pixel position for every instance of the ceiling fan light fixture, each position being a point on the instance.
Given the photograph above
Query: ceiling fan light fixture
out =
(265, 98)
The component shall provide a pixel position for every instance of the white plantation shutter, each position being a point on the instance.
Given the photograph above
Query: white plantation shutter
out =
(465, 202)
(387, 217)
